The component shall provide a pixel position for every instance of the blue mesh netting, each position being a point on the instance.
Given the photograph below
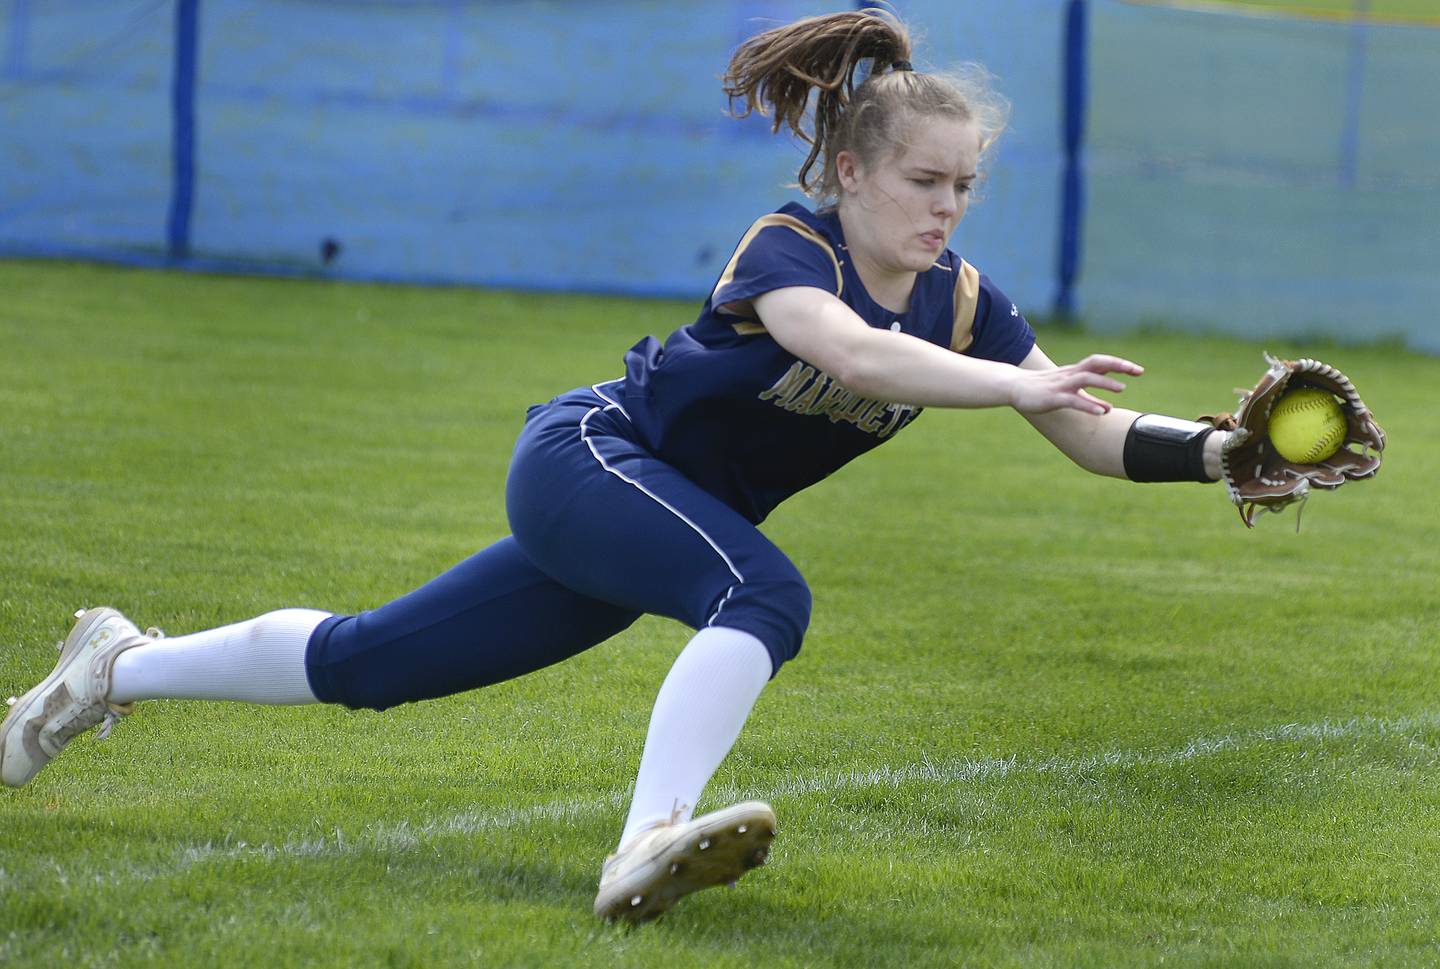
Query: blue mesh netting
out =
(1263, 175)
(515, 142)
(84, 125)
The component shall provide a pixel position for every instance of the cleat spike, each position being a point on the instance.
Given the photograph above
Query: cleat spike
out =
(773, 832)
(79, 613)
(675, 868)
(11, 701)
(742, 829)
(704, 844)
(635, 902)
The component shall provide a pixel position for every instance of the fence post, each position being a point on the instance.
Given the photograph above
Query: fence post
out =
(1354, 94)
(182, 157)
(1074, 94)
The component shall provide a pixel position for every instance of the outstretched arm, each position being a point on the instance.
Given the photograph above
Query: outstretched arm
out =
(1097, 442)
(820, 329)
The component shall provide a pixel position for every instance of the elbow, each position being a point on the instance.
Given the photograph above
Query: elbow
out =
(855, 377)
(857, 370)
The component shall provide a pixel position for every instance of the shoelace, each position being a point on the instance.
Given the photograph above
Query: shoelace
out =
(108, 724)
(677, 810)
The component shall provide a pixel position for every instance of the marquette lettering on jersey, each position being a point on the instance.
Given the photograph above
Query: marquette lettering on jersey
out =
(722, 386)
(805, 390)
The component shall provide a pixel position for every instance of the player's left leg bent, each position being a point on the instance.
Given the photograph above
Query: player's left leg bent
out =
(600, 513)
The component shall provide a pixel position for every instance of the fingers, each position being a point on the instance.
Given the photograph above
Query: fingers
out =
(1100, 382)
(1093, 372)
(1107, 363)
(1077, 396)
(1076, 380)
(1069, 386)
(1093, 405)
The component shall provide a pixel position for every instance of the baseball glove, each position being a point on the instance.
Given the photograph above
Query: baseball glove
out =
(1257, 477)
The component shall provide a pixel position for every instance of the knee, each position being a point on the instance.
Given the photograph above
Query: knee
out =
(775, 609)
(794, 596)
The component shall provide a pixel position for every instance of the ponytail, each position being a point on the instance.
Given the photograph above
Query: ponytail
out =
(774, 72)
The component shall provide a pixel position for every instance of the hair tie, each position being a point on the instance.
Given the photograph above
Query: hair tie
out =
(901, 66)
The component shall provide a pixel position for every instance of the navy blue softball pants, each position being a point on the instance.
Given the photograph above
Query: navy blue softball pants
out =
(603, 532)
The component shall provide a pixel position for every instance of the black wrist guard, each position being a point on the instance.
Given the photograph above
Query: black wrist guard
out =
(1161, 448)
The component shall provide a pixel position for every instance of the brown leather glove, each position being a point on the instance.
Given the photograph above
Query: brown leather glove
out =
(1257, 477)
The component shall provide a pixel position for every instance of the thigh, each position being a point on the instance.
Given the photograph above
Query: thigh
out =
(493, 617)
(602, 515)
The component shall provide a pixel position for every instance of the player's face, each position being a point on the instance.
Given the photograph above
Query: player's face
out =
(899, 212)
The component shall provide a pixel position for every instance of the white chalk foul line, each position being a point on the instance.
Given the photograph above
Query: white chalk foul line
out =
(406, 835)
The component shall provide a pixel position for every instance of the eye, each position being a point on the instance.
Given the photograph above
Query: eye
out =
(927, 182)
(964, 188)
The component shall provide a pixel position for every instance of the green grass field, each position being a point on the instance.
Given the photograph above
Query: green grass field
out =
(1041, 719)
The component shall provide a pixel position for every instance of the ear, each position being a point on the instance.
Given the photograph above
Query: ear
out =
(849, 171)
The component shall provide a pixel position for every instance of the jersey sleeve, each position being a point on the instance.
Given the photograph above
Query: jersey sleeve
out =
(778, 251)
(997, 331)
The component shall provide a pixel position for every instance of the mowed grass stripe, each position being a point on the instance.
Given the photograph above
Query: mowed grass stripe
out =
(412, 834)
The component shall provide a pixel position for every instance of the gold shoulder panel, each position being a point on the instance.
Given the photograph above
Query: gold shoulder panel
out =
(777, 219)
(967, 297)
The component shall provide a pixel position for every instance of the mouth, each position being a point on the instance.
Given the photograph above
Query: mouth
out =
(933, 239)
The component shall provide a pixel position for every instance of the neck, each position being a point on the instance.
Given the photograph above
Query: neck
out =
(887, 286)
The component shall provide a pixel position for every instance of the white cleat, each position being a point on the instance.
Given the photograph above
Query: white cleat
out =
(71, 699)
(666, 863)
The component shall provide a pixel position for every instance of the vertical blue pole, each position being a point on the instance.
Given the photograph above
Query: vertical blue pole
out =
(1074, 94)
(17, 40)
(1354, 94)
(450, 58)
(182, 158)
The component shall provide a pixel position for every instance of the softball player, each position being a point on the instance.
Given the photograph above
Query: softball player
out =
(825, 335)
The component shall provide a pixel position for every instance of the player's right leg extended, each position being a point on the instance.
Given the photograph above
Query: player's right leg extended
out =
(490, 618)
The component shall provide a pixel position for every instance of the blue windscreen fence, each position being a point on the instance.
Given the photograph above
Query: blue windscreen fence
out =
(552, 145)
(1263, 175)
(1199, 167)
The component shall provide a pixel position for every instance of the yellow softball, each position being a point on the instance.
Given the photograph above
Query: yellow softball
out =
(1307, 425)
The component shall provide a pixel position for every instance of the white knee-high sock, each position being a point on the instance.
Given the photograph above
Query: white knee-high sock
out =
(261, 660)
(702, 705)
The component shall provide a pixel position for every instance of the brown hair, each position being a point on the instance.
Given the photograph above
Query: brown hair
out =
(775, 72)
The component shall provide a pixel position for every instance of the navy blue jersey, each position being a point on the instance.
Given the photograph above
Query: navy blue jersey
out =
(750, 422)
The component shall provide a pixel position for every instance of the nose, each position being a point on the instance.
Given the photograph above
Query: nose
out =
(946, 203)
